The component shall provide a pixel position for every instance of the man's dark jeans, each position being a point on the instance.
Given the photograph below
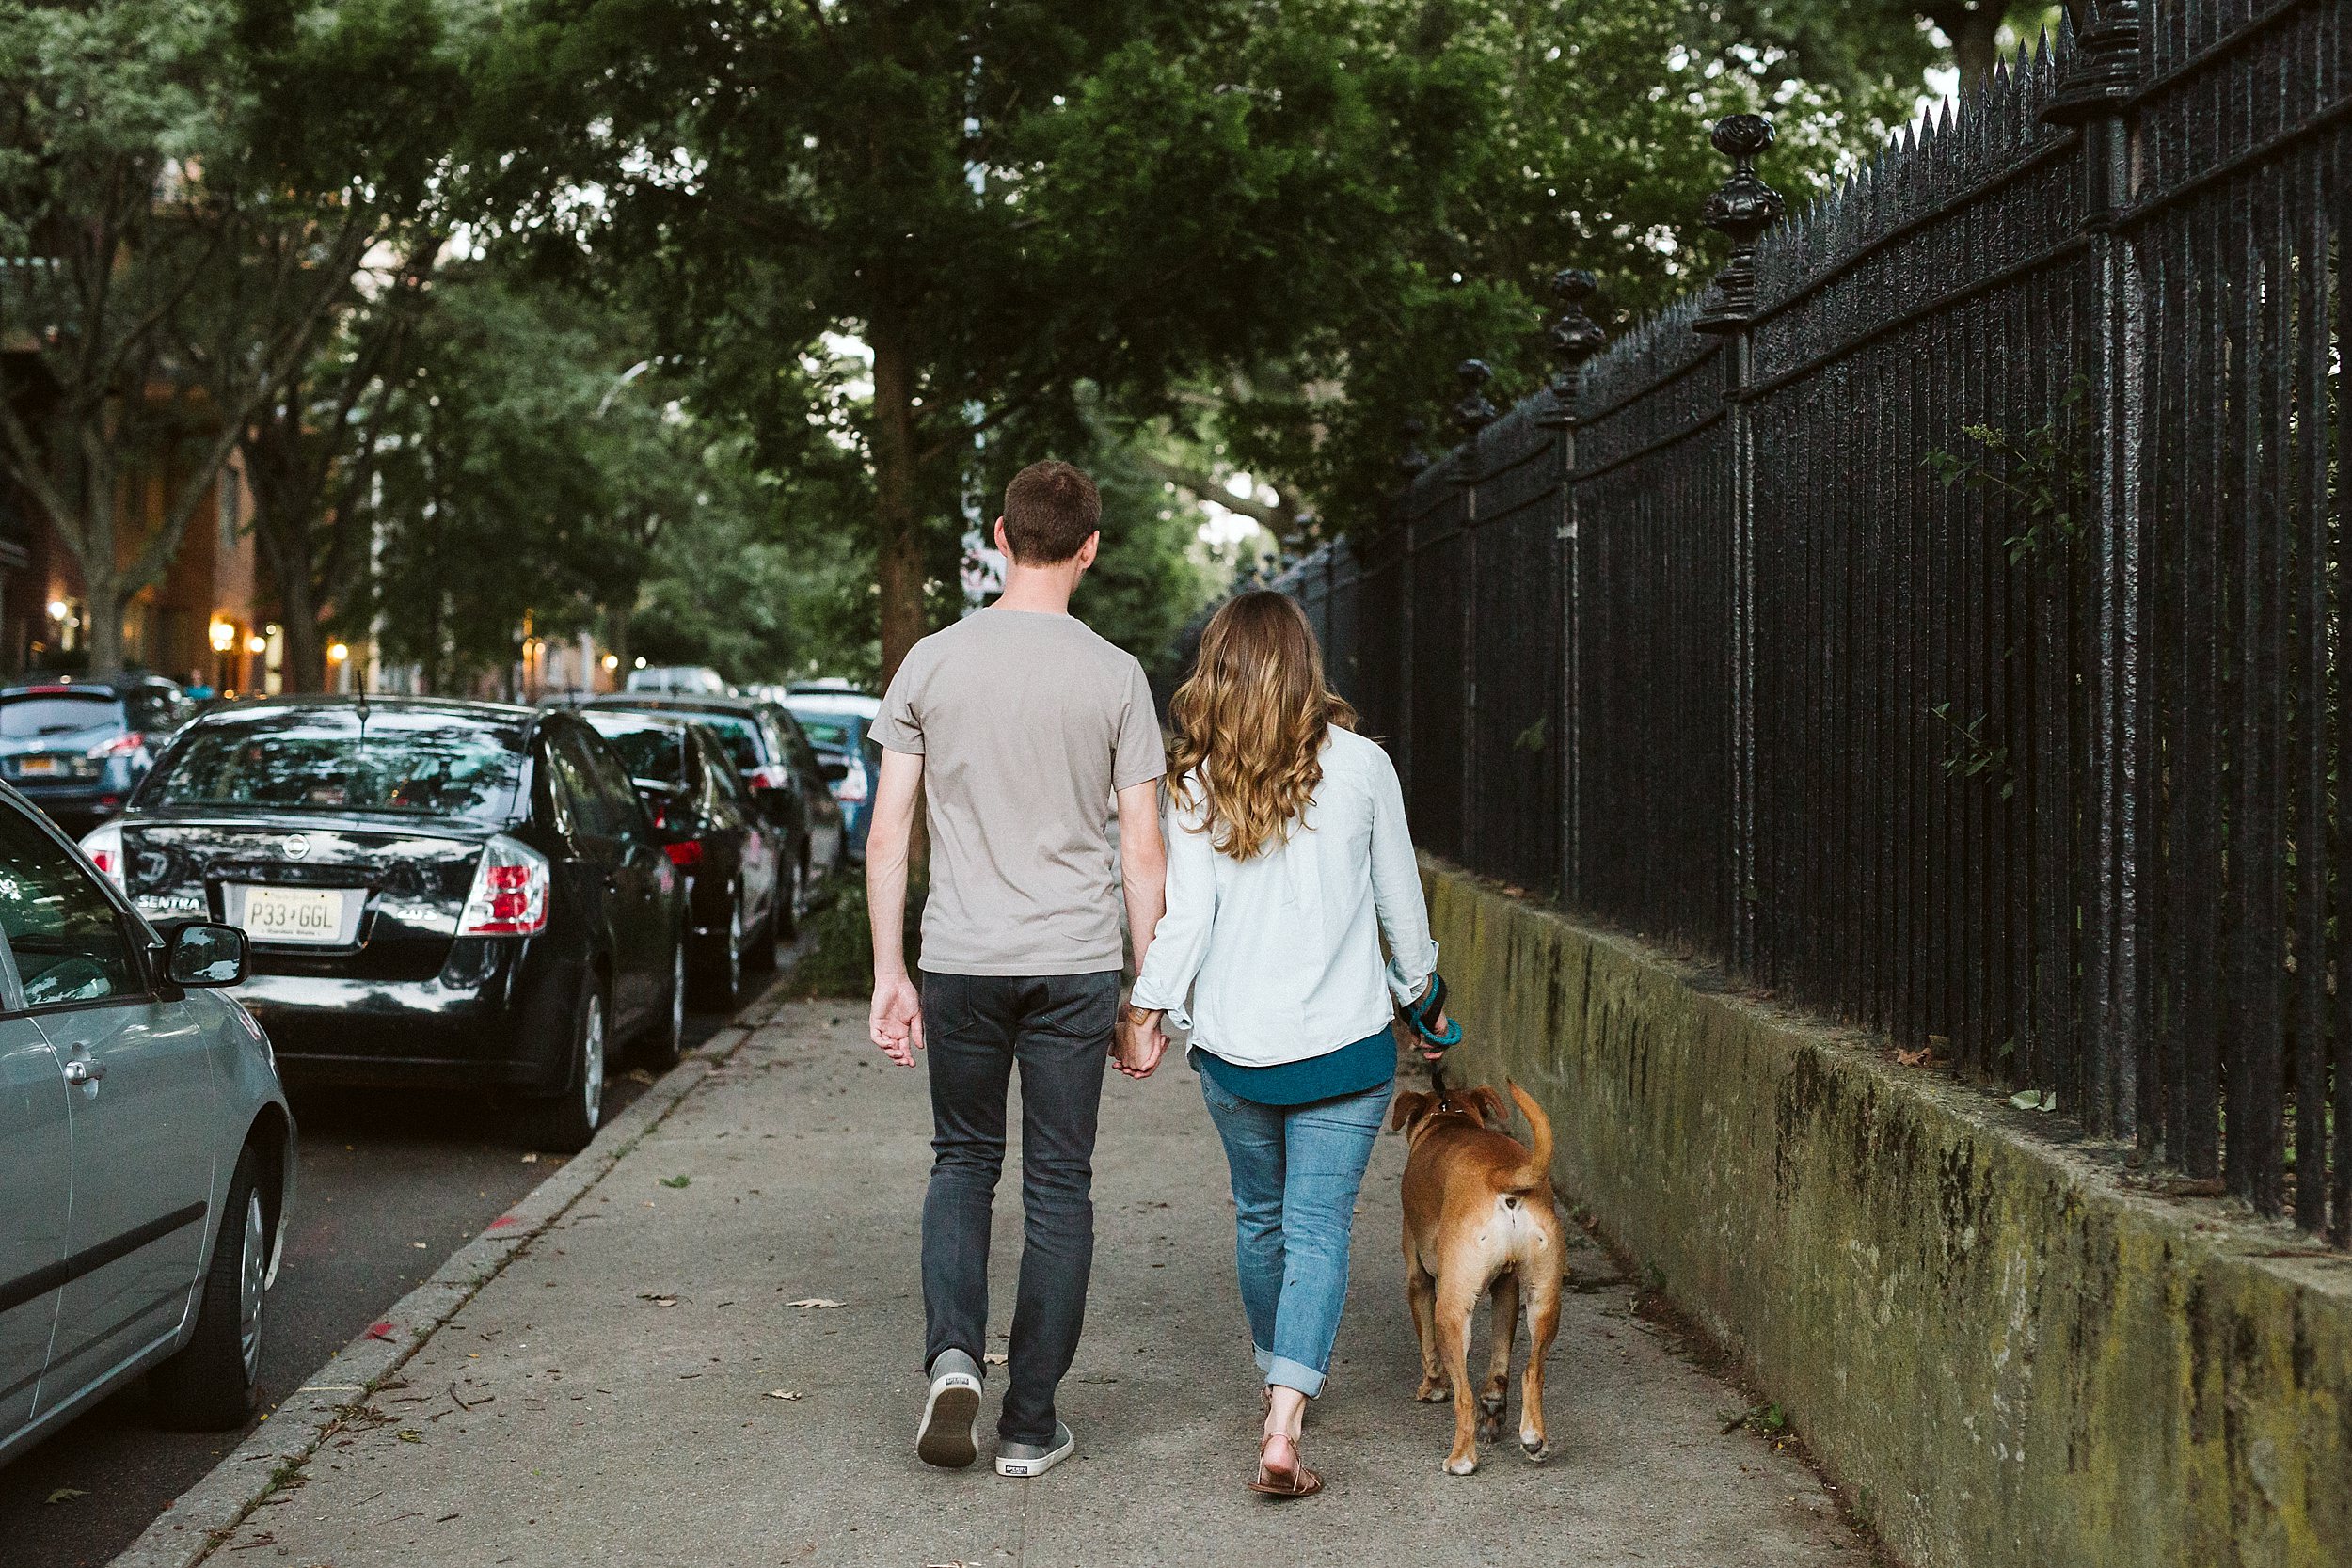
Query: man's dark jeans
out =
(976, 1027)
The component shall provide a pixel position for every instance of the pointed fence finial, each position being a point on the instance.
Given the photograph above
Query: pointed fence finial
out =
(1743, 207)
(1474, 413)
(1412, 460)
(2099, 75)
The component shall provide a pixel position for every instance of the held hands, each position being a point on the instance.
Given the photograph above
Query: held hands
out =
(1137, 1043)
(1432, 1052)
(894, 1021)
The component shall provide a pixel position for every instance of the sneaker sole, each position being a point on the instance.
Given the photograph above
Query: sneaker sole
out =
(946, 1437)
(1021, 1469)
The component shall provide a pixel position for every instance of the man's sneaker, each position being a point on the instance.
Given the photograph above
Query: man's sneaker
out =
(946, 1437)
(1035, 1459)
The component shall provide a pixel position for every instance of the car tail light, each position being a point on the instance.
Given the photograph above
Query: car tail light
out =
(510, 892)
(770, 777)
(854, 783)
(104, 846)
(121, 745)
(686, 854)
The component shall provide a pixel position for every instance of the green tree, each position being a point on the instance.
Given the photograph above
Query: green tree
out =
(140, 212)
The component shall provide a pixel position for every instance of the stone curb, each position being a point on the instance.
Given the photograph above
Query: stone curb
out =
(209, 1513)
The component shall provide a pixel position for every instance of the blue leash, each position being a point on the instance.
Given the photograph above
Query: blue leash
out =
(1434, 1045)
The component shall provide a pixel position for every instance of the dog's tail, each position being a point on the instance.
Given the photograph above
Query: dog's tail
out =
(1538, 1167)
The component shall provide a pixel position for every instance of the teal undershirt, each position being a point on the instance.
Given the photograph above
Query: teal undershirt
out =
(1365, 1065)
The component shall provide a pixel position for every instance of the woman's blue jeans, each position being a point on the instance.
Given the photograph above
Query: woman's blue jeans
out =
(1296, 1169)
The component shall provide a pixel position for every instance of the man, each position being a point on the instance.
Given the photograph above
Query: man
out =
(1019, 725)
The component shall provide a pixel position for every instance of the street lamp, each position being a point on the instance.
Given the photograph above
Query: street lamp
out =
(337, 652)
(224, 635)
(256, 643)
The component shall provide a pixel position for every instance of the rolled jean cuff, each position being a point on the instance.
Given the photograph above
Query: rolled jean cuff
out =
(1282, 1371)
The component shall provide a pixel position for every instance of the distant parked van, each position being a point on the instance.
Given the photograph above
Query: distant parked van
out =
(697, 679)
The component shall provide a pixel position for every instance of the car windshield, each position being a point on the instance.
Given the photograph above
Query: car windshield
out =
(828, 732)
(47, 713)
(648, 747)
(437, 764)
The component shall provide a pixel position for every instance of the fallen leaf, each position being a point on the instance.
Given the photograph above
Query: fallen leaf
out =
(2035, 1100)
(678, 1180)
(532, 1158)
(412, 1437)
(996, 1358)
(638, 1075)
(816, 1301)
(65, 1495)
(783, 1393)
(419, 1245)
(658, 1298)
(1913, 1058)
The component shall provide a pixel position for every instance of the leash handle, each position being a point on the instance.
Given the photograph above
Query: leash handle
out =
(1434, 1045)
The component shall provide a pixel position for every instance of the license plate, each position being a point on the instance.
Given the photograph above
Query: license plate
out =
(294, 914)
(39, 767)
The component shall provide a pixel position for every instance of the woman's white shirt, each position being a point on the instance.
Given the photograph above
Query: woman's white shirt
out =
(1276, 959)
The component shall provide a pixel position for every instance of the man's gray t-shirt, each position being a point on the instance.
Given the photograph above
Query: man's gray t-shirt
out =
(1027, 724)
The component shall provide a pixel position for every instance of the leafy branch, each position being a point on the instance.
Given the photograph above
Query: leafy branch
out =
(2039, 471)
(1969, 754)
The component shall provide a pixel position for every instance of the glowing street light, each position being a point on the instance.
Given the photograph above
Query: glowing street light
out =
(59, 609)
(256, 643)
(337, 652)
(223, 634)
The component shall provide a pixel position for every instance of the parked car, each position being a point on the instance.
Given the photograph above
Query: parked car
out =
(836, 720)
(439, 892)
(780, 767)
(697, 678)
(714, 834)
(148, 1145)
(77, 745)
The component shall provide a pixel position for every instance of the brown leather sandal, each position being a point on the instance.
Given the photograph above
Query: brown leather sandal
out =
(1299, 1482)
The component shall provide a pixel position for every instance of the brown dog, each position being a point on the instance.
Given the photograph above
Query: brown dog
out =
(1479, 1220)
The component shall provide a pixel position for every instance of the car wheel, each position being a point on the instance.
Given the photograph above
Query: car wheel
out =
(565, 1123)
(667, 1042)
(789, 897)
(211, 1385)
(722, 967)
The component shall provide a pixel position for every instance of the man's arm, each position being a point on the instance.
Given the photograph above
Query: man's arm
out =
(894, 1021)
(1143, 878)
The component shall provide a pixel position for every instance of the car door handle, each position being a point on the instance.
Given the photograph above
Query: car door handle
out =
(85, 1073)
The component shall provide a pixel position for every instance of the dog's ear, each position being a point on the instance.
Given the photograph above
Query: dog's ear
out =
(1410, 1108)
(1487, 1103)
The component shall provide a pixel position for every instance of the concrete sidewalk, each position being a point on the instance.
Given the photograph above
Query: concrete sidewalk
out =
(640, 1385)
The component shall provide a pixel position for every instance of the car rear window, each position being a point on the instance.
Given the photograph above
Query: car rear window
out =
(433, 764)
(42, 713)
(739, 731)
(828, 732)
(649, 749)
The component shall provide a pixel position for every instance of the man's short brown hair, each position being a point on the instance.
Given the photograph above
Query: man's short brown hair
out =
(1050, 509)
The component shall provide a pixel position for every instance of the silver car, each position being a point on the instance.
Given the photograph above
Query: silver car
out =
(147, 1152)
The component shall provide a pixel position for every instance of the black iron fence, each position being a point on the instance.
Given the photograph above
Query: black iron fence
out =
(1943, 620)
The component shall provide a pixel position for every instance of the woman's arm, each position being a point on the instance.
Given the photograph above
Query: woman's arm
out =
(1396, 893)
(1182, 942)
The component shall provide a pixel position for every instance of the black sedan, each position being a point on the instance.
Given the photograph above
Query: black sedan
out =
(77, 745)
(780, 767)
(437, 892)
(714, 834)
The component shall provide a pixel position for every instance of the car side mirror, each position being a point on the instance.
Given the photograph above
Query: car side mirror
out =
(202, 955)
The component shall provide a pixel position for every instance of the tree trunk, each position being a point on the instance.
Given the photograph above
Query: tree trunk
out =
(303, 659)
(1974, 50)
(898, 516)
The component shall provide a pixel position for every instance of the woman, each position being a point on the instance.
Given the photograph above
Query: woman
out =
(1288, 860)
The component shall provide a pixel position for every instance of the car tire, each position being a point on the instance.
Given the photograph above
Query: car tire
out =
(211, 1384)
(721, 977)
(564, 1124)
(666, 1044)
(788, 896)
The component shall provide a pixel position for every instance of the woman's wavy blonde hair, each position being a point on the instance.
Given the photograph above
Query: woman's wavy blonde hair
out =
(1251, 724)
